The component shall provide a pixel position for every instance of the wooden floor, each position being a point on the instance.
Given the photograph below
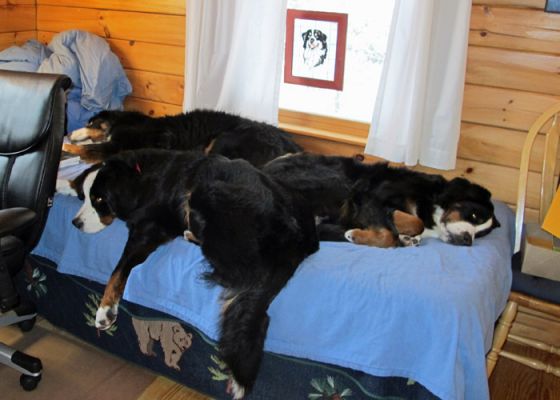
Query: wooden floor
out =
(75, 370)
(513, 381)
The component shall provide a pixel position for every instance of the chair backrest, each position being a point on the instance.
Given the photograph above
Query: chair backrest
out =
(548, 123)
(32, 117)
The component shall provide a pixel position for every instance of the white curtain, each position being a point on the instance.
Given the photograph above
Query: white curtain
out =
(417, 114)
(234, 56)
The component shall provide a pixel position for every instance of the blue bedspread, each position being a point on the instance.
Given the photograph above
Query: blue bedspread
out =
(424, 312)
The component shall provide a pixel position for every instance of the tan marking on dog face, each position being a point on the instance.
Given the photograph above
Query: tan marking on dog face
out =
(98, 135)
(107, 219)
(372, 237)
(451, 216)
(407, 224)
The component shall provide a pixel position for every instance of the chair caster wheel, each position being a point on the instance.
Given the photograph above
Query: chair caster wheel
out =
(29, 382)
(27, 325)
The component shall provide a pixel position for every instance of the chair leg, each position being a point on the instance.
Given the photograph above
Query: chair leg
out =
(500, 336)
(536, 344)
(532, 363)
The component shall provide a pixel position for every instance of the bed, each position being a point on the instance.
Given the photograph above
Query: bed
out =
(406, 323)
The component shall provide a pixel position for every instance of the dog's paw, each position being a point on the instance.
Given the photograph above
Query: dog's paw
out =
(106, 316)
(349, 235)
(63, 187)
(79, 134)
(237, 391)
(409, 241)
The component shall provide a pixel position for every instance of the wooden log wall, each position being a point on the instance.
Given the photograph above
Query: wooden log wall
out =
(512, 72)
(148, 36)
(513, 75)
(17, 22)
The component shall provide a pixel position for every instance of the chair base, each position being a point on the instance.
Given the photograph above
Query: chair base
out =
(31, 368)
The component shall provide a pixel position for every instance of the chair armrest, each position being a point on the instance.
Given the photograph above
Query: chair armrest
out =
(13, 220)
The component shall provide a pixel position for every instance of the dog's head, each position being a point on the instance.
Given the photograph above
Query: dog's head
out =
(104, 120)
(97, 128)
(314, 38)
(465, 212)
(107, 192)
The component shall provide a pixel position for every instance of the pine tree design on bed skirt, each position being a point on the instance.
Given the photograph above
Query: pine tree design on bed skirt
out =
(36, 283)
(328, 390)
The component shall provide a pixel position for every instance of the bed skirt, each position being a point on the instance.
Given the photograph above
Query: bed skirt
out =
(179, 351)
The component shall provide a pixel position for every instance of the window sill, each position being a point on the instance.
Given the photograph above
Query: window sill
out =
(323, 134)
(324, 128)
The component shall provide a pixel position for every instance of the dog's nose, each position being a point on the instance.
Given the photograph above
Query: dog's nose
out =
(465, 239)
(78, 223)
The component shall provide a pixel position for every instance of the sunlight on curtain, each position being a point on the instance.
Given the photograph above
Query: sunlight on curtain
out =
(417, 114)
(234, 56)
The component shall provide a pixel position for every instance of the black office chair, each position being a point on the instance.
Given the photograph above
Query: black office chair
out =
(32, 116)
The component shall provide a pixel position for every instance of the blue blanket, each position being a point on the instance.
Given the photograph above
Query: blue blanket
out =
(426, 313)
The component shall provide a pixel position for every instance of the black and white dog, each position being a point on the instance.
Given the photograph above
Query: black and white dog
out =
(314, 47)
(212, 132)
(383, 206)
(253, 232)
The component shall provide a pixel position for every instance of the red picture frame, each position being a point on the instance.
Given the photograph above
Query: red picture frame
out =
(315, 48)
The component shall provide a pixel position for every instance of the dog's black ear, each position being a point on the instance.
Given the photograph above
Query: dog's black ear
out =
(463, 189)
(305, 35)
(121, 169)
(78, 182)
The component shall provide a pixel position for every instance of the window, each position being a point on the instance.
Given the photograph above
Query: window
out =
(367, 32)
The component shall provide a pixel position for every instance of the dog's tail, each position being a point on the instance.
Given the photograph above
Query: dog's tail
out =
(244, 326)
(91, 153)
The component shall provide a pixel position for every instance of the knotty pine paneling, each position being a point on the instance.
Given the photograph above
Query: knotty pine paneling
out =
(516, 29)
(501, 146)
(17, 22)
(149, 107)
(140, 26)
(504, 108)
(532, 72)
(175, 7)
(512, 76)
(538, 4)
(8, 39)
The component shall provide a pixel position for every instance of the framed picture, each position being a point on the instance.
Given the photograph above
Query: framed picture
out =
(315, 48)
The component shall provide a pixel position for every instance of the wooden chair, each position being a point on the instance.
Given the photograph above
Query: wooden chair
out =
(538, 297)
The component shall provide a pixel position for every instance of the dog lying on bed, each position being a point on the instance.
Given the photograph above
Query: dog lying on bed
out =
(213, 132)
(383, 206)
(253, 232)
